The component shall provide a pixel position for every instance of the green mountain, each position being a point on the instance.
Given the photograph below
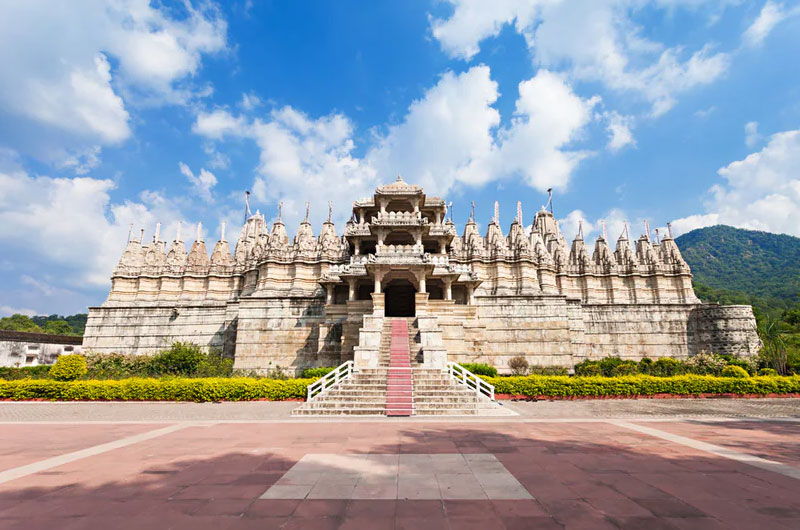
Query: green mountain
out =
(733, 265)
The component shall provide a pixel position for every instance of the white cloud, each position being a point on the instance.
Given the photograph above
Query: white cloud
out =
(72, 223)
(448, 137)
(760, 192)
(619, 131)
(770, 16)
(593, 40)
(250, 101)
(751, 136)
(57, 84)
(202, 183)
(6, 311)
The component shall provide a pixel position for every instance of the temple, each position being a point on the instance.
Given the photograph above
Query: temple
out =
(322, 300)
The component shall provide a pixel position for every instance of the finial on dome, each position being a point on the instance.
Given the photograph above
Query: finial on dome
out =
(280, 210)
(246, 206)
(658, 237)
(519, 212)
(158, 231)
(450, 209)
(669, 230)
(580, 230)
(199, 231)
(141, 236)
(472, 211)
(399, 178)
(330, 210)
(178, 232)
(647, 230)
(625, 230)
(603, 224)
(130, 229)
(307, 208)
(222, 232)
(550, 199)
(496, 212)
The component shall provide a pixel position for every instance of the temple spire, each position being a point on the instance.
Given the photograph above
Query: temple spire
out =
(496, 212)
(246, 206)
(158, 231)
(307, 210)
(141, 236)
(669, 230)
(625, 233)
(130, 229)
(603, 224)
(519, 212)
(580, 230)
(330, 210)
(647, 230)
(178, 232)
(200, 231)
(222, 238)
(280, 210)
(658, 239)
(472, 211)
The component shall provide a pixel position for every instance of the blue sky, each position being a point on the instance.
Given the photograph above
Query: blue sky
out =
(136, 112)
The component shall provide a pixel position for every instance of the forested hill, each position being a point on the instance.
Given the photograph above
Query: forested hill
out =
(732, 265)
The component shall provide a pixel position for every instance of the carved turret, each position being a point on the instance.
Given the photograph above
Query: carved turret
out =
(578, 255)
(132, 259)
(329, 245)
(602, 256)
(198, 262)
(624, 253)
(278, 239)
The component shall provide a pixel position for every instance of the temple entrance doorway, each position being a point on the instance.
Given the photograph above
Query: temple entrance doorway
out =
(400, 299)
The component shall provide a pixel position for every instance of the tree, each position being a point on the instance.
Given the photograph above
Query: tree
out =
(19, 322)
(58, 327)
(774, 351)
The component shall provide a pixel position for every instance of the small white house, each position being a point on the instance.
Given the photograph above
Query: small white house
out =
(19, 348)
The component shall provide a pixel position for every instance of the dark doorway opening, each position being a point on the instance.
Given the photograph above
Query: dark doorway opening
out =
(400, 299)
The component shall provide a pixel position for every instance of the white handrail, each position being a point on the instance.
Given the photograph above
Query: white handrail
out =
(330, 380)
(461, 375)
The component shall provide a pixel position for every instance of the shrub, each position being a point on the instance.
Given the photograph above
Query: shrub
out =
(174, 389)
(69, 368)
(646, 366)
(118, 366)
(588, 368)
(318, 372)
(608, 365)
(666, 367)
(734, 371)
(768, 372)
(547, 370)
(24, 372)
(481, 369)
(625, 368)
(641, 385)
(182, 358)
(518, 365)
(705, 363)
(214, 364)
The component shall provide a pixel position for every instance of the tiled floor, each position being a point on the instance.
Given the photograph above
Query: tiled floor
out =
(374, 475)
(398, 476)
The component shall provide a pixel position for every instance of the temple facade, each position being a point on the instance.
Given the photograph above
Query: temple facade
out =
(320, 300)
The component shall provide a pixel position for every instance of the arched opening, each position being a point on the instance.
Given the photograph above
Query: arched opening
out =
(400, 299)
(399, 238)
(398, 205)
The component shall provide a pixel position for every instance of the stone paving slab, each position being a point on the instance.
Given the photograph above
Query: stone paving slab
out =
(579, 475)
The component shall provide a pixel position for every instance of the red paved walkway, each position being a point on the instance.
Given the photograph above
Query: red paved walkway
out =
(580, 475)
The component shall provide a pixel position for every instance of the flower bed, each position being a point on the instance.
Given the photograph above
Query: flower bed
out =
(136, 389)
(559, 387)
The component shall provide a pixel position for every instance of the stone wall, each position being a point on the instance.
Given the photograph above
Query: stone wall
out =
(145, 328)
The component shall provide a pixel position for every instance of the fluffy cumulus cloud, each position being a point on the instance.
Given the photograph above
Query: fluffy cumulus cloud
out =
(72, 224)
(594, 40)
(450, 136)
(760, 192)
(60, 94)
(202, 183)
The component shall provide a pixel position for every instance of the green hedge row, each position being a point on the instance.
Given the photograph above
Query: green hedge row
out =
(135, 389)
(642, 385)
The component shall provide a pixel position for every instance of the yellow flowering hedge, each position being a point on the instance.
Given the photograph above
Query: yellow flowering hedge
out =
(140, 389)
(642, 385)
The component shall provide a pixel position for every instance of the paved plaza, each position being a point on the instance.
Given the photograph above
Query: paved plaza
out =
(588, 464)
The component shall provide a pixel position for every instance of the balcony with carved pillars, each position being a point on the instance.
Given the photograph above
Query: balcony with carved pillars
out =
(399, 219)
(442, 230)
(357, 230)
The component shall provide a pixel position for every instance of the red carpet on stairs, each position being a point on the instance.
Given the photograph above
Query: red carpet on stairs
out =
(399, 385)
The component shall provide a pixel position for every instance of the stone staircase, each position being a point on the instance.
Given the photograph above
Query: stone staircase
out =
(401, 385)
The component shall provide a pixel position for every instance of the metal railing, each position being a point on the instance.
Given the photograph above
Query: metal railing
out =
(461, 375)
(330, 380)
